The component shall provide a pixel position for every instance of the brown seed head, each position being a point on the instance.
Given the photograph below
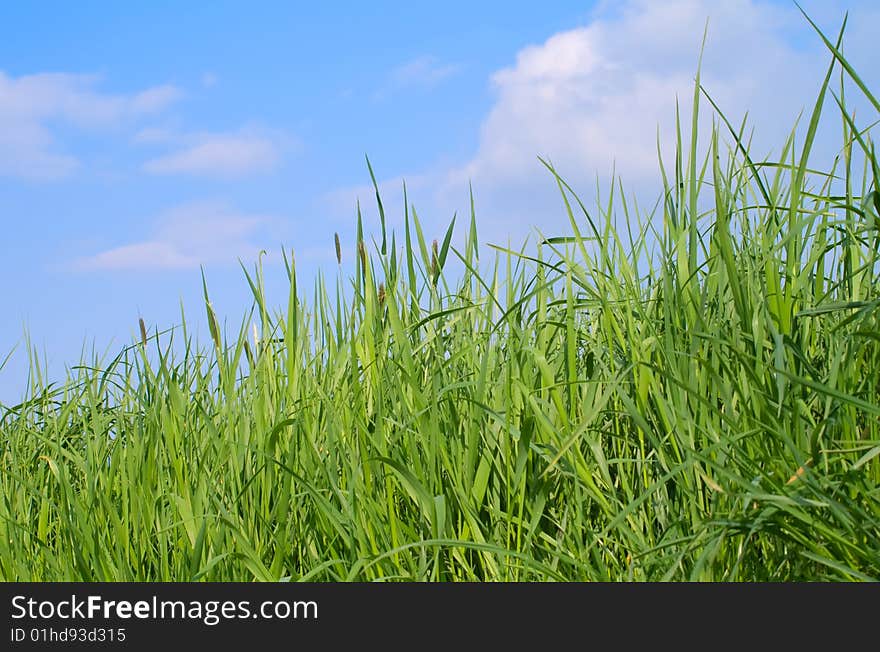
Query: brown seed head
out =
(213, 327)
(143, 331)
(362, 252)
(381, 294)
(435, 265)
(800, 472)
(338, 248)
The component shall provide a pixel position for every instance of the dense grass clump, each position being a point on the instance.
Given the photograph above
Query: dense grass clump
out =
(693, 396)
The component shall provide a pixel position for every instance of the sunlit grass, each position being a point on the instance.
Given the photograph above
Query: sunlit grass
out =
(692, 396)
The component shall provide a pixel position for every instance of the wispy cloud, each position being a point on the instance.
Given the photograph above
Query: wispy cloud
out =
(155, 136)
(153, 100)
(31, 104)
(190, 235)
(343, 202)
(234, 154)
(423, 72)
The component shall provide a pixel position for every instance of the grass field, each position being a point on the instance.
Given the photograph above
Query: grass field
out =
(687, 393)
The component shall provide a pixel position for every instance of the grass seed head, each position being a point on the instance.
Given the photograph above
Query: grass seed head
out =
(248, 353)
(362, 252)
(338, 248)
(143, 330)
(213, 327)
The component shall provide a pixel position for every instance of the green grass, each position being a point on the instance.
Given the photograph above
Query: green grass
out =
(694, 395)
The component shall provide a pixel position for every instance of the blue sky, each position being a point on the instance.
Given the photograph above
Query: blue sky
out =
(138, 142)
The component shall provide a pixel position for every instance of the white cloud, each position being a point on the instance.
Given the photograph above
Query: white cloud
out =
(424, 71)
(596, 96)
(219, 154)
(344, 201)
(27, 151)
(155, 99)
(187, 236)
(31, 104)
(154, 136)
(150, 254)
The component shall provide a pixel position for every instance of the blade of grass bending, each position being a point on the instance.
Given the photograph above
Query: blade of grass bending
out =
(379, 203)
(843, 62)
